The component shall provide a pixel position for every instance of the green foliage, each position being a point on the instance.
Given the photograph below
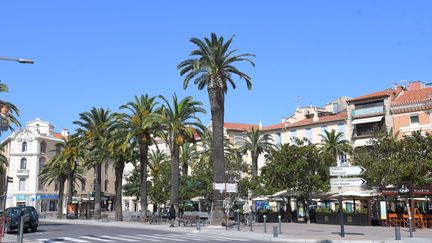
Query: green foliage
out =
(256, 143)
(132, 186)
(159, 187)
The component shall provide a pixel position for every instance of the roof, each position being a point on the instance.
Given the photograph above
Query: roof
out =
(60, 136)
(309, 121)
(413, 96)
(239, 126)
(374, 95)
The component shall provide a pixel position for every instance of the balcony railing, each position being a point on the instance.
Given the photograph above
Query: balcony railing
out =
(22, 172)
(368, 111)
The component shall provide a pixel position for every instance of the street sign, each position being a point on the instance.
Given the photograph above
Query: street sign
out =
(10, 179)
(347, 171)
(342, 182)
(230, 187)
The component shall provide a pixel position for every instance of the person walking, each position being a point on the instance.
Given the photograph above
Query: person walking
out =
(172, 215)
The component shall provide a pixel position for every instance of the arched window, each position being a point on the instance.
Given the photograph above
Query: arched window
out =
(43, 147)
(22, 184)
(106, 185)
(24, 147)
(106, 169)
(83, 186)
(23, 165)
(56, 186)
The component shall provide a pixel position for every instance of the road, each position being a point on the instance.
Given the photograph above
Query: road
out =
(59, 232)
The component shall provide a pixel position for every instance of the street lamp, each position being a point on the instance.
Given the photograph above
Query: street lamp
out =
(20, 60)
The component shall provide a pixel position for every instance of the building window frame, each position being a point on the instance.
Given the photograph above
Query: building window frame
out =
(23, 164)
(43, 147)
(24, 147)
(22, 184)
(106, 184)
(414, 120)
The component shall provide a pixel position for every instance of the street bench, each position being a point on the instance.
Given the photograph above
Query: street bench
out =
(153, 219)
(189, 219)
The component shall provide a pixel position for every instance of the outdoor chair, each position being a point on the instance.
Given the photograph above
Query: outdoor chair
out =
(394, 221)
(405, 220)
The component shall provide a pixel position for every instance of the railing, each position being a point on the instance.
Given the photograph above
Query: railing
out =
(368, 111)
(363, 133)
(22, 172)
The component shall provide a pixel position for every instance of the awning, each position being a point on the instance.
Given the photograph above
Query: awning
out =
(363, 142)
(367, 120)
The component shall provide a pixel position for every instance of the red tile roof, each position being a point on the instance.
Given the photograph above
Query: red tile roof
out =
(239, 126)
(413, 96)
(60, 136)
(378, 94)
(337, 117)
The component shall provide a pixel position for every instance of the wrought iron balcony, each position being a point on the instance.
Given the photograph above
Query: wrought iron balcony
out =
(22, 172)
(375, 110)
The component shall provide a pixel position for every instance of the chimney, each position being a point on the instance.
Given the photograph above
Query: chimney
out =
(283, 120)
(65, 132)
(416, 85)
(260, 125)
(315, 116)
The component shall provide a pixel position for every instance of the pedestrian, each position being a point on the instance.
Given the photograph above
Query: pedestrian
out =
(172, 215)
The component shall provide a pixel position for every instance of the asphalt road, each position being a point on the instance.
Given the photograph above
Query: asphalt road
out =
(58, 232)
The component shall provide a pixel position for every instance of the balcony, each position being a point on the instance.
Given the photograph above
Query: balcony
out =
(22, 172)
(369, 111)
(363, 134)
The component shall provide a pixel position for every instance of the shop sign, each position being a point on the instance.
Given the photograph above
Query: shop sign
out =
(46, 196)
(405, 188)
(21, 197)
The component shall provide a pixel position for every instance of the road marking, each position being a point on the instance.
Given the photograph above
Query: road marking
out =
(189, 237)
(50, 240)
(75, 240)
(162, 237)
(117, 238)
(138, 238)
(94, 238)
(220, 237)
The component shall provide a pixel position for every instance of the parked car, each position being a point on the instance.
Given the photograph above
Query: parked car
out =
(13, 216)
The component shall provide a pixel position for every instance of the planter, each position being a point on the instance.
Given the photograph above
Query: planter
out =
(359, 219)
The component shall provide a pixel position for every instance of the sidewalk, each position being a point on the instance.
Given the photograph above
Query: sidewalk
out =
(291, 232)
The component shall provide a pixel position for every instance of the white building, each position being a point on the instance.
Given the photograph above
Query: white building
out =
(28, 150)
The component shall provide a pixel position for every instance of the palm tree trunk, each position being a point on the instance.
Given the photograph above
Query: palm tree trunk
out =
(71, 185)
(185, 168)
(175, 175)
(143, 174)
(61, 198)
(254, 164)
(118, 188)
(217, 100)
(97, 206)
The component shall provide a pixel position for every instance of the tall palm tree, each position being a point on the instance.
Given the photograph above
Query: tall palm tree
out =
(57, 171)
(333, 144)
(256, 143)
(121, 151)
(13, 110)
(188, 155)
(95, 128)
(179, 123)
(212, 66)
(141, 125)
(156, 158)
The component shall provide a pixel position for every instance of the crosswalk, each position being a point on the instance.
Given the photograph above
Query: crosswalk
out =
(169, 237)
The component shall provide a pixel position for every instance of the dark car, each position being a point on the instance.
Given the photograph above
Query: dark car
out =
(13, 215)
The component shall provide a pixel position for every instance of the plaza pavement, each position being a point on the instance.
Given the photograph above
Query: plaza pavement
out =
(291, 232)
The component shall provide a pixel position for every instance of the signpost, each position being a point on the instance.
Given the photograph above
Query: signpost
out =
(339, 182)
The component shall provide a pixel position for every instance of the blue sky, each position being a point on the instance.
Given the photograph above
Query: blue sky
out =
(102, 53)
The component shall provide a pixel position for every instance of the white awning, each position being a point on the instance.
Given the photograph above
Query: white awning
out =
(367, 120)
(362, 142)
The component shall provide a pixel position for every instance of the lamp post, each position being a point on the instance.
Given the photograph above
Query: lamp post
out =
(8, 179)
(20, 60)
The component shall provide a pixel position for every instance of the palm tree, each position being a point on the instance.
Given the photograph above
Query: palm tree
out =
(11, 108)
(156, 158)
(179, 124)
(212, 67)
(57, 171)
(333, 144)
(95, 129)
(141, 125)
(121, 151)
(256, 143)
(188, 155)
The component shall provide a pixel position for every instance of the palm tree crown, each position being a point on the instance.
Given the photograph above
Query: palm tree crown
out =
(256, 143)
(333, 144)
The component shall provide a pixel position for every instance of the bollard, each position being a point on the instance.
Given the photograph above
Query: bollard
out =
(21, 229)
(397, 233)
(265, 225)
(280, 224)
(275, 231)
(238, 220)
(199, 224)
(250, 221)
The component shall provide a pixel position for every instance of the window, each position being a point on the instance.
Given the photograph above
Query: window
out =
(58, 148)
(278, 139)
(23, 165)
(43, 147)
(106, 169)
(83, 185)
(94, 185)
(238, 140)
(308, 134)
(56, 186)
(41, 166)
(293, 135)
(24, 147)
(106, 185)
(22, 184)
(414, 119)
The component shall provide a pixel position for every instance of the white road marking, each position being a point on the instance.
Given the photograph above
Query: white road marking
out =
(117, 238)
(162, 237)
(138, 238)
(94, 238)
(189, 237)
(219, 237)
(75, 240)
